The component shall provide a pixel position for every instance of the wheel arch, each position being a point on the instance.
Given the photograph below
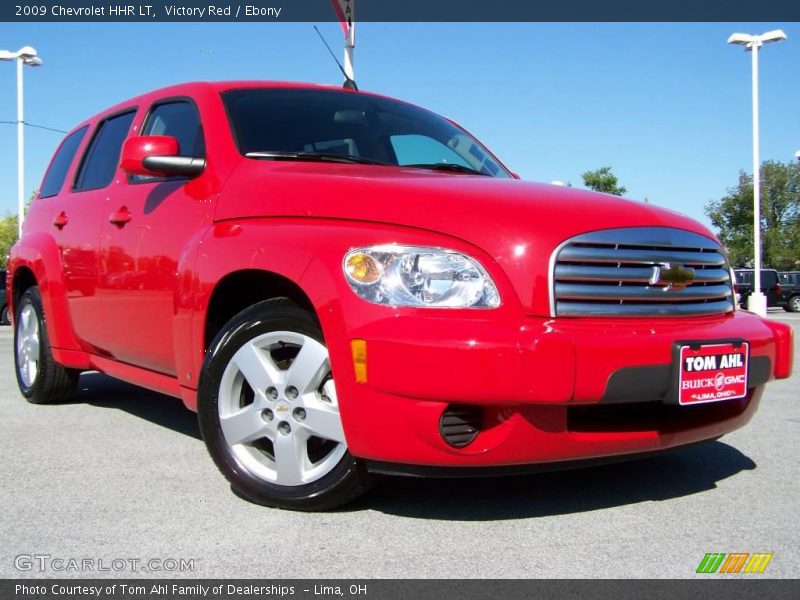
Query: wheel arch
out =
(243, 288)
(23, 279)
(35, 260)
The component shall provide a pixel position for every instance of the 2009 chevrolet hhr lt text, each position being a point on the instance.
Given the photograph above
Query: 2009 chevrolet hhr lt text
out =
(342, 284)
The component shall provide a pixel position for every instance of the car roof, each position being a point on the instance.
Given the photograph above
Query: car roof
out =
(196, 87)
(751, 270)
(223, 86)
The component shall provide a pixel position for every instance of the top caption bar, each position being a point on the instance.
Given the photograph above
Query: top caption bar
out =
(404, 10)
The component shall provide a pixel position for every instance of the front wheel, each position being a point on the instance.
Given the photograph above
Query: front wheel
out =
(5, 316)
(269, 412)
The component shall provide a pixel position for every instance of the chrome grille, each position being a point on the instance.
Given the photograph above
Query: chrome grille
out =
(612, 273)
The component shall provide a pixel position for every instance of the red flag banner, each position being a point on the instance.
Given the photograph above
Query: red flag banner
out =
(344, 10)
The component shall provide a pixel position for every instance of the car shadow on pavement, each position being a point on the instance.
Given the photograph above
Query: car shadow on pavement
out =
(673, 475)
(667, 476)
(96, 389)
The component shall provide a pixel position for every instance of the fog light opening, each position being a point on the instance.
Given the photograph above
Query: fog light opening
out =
(460, 424)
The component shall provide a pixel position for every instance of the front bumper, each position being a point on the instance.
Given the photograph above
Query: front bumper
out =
(551, 389)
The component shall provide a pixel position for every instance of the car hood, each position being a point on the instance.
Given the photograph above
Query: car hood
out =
(517, 223)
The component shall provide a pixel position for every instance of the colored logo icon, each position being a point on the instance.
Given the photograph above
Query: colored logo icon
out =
(734, 562)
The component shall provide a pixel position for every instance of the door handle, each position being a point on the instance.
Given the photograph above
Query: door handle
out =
(121, 216)
(61, 220)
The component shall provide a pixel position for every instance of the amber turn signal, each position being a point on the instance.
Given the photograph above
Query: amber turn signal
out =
(359, 350)
(362, 268)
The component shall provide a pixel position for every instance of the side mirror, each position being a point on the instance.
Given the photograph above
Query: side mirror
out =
(158, 156)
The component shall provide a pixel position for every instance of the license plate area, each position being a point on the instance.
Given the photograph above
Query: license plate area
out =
(710, 371)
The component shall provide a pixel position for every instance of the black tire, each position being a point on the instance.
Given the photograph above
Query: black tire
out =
(4, 315)
(794, 304)
(52, 383)
(345, 482)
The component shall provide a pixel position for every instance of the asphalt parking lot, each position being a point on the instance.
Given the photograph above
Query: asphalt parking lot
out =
(122, 473)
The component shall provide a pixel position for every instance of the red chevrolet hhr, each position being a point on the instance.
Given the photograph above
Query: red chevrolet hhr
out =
(343, 285)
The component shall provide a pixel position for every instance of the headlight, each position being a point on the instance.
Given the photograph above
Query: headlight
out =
(419, 276)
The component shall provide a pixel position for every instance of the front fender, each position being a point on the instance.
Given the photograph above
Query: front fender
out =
(309, 252)
(226, 248)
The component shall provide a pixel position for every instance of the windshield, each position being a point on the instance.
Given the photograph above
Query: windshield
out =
(308, 124)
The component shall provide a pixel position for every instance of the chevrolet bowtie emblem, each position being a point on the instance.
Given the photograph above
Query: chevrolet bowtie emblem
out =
(673, 276)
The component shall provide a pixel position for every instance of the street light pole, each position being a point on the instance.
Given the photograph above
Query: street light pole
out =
(20, 151)
(25, 56)
(757, 301)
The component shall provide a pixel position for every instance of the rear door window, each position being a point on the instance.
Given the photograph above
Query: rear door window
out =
(57, 173)
(102, 157)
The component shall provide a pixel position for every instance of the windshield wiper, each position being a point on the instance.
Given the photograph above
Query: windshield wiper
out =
(361, 160)
(317, 156)
(451, 167)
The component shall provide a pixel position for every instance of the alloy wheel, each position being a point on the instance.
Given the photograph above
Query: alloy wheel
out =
(278, 409)
(28, 345)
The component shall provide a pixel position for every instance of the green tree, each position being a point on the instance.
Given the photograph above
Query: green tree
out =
(8, 231)
(8, 235)
(603, 180)
(732, 217)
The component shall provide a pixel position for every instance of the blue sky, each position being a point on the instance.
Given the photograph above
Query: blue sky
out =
(667, 106)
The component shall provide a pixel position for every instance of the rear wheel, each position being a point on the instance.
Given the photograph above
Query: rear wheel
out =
(269, 411)
(41, 380)
(4, 316)
(794, 304)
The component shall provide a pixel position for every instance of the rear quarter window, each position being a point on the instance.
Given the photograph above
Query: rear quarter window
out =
(59, 165)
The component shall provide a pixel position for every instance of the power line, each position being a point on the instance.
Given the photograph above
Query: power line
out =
(34, 125)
